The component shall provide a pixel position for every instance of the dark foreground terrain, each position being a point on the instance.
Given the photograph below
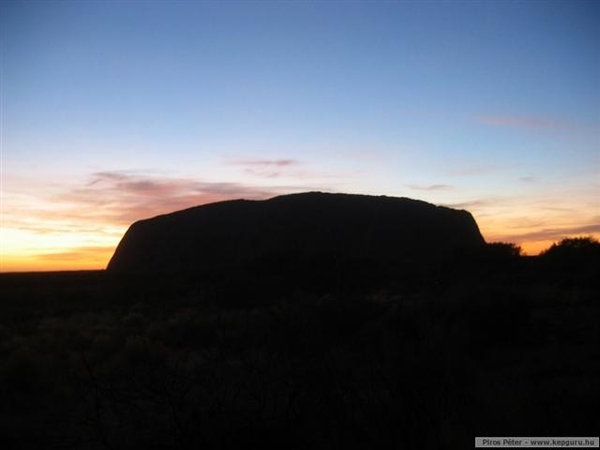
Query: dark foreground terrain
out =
(497, 346)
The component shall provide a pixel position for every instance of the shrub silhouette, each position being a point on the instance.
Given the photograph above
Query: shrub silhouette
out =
(573, 261)
(570, 248)
(504, 250)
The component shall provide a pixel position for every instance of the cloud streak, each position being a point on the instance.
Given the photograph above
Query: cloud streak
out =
(288, 169)
(121, 198)
(559, 233)
(528, 179)
(268, 168)
(529, 122)
(469, 204)
(264, 162)
(429, 187)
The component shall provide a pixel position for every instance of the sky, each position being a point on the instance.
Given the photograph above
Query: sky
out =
(116, 111)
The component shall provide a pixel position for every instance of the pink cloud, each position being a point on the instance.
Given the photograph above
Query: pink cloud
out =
(108, 201)
(477, 203)
(268, 168)
(264, 162)
(284, 168)
(556, 234)
(121, 198)
(430, 187)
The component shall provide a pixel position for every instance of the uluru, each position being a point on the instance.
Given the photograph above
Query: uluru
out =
(304, 230)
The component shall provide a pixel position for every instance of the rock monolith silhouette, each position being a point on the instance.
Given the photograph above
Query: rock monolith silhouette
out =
(297, 230)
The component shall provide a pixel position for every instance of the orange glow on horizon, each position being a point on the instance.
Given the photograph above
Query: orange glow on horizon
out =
(535, 247)
(54, 262)
(34, 251)
(97, 258)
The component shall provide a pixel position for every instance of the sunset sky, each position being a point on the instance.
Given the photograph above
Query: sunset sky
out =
(113, 112)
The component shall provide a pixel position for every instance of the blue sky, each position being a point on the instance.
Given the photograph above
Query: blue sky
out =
(116, 111)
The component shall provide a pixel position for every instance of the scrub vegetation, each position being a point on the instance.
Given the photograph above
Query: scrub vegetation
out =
(489, 344)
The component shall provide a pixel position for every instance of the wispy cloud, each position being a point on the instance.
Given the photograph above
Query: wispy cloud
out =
(121, 197)
(263, 162)
(528, 179)
(430, 187)
(269, 168)
(519, 121)
(471, 204)
(111, 200)
(556, 234)
(288, 169)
